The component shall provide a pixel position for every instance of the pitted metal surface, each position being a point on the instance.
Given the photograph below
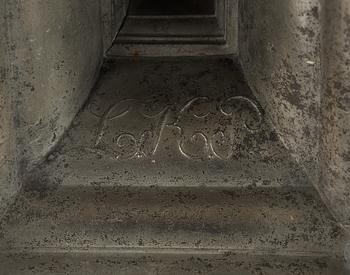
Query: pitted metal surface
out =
(169, 264)
(172, 166)
(175, 165)
(282, 221)
(172, 123)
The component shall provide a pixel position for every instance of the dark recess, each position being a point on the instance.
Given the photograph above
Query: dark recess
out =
(178, 7)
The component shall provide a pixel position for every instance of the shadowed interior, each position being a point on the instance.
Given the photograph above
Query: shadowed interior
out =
(180, 7)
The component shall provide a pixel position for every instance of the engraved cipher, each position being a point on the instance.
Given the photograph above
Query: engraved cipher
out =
(160, 123)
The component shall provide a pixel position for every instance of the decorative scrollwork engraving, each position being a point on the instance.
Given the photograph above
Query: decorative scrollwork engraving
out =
(216, 138)
(109, 116)
(122, 142)
(254, 107)
(219, 138)
(160, 128)
(188, 105)
(194, 138)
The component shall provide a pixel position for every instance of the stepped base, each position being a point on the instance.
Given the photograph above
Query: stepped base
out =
(270, 221)
(166, 264)
(101, 230)
(176, 172)
(171, 123)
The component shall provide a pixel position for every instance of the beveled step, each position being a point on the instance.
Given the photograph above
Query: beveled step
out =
(178, 162)
(255, 220)
(166, 264)
(171, 123)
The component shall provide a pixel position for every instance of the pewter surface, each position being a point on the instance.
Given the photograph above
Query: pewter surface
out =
(172, 123)
(170, 157)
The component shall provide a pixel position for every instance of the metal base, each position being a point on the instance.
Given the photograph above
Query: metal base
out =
(170, 168)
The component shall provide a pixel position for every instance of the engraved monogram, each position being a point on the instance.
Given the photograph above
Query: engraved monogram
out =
(203, 128)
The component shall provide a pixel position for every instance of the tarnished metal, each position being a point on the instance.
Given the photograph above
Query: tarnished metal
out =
(295, 57)
(230, 164)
